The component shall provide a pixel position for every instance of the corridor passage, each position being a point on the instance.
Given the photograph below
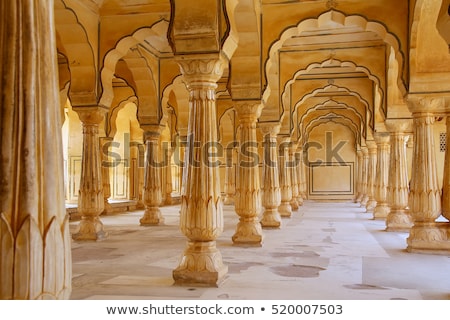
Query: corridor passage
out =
(324, 251)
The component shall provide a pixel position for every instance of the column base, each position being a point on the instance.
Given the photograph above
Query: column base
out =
(168, 200)
(285, 210)
(399, 221)
(300, 201)
(152, 217)
(370, 205)
(271, 218)
(381, 211)
(201, 266)
(90, 229)
(294, 204)
(229, 201)
(357, 198)
(364, 200)
(429, 237)
(248, 233)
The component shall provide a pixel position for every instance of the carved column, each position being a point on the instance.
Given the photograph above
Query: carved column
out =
(382, 176)
(35, 246)
(152, 179)
(294, 179)
(90, 195)
(359, 194)
(305, 178)
(446, 179)
(364, 177)
(201, 218)
(248, 193)
(299, 171)
(230, 177)
(285, 208)
(425, 195)
(372, 172)
(168, 171)
(104, 150)
(398, 218)
(272, 194)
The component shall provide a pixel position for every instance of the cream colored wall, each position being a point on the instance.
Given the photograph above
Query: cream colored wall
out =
(331, 180)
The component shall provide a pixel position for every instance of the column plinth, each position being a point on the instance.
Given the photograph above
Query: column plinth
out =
(271, 184)
(152, 192)
(248, 192)
(201, 216)
(90, 196)
(382, 209)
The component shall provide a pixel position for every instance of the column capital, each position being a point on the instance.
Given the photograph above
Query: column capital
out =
(248, 109)
(382, 137)
(272, 128)
(90, 114)
(202, 68)
(371, 146)
(428, 103)
(152, 131)
(399, 125)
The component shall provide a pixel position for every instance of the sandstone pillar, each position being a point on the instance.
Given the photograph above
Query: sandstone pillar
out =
(446, 180)
(271, 183)
(382, 176)
(299, 171)
(398, 218)
(230, 177)
(168, 172)
(294, 178)
(90, 195)
(201, 218)
(152, 179)
(425, 195)
(371, 175)
(104, 149)
(364, 177)
(359, 174)
(35, 248)
(285, 208)
(248, 193)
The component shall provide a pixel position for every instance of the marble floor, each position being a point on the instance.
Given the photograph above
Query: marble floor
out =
(324, 251)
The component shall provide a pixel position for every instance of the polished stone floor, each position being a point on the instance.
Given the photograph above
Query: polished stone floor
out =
(324, 251)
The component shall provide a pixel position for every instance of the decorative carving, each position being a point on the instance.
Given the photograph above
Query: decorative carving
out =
(248, 192)
(230, 178)
(104, 141)
(431, 237)
(294, 180)
(446, 179)
(168, 172)
(359, 194)
(365, 175)
(372, 172)
(197, 70)
(285, 208)
(299, 172)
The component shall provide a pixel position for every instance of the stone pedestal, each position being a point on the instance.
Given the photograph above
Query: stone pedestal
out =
(285, 208)
(35, 245)
(271, 183)
(398, 218)
(371, 176)
(248, 192)
(152, 181)
(201, 218)
(425, 196)
(382, 209)
(90, 195)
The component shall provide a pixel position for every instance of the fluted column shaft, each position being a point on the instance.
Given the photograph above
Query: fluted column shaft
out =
(248, 190)
(382, 176)
(364, 177)
(104, 143)
(201, 218)
(35, 246)
(90, 195)
(152, 179)
(168, 171)
(285, 208)
(372, 172)
(271, 184)
(359, 194)
(230, 177)
(446, 179)
(294, 178)
(299, 172)
(398, 218)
